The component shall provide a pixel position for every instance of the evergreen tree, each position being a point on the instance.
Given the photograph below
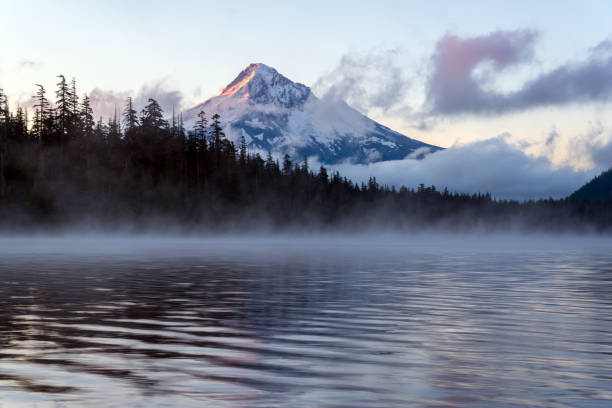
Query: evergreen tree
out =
(287, 165)
(74, 99)
(3, 103)
(64, 109)
(216, 132)
(42, 114)
(20, 125)
(152, 116)
(270, 164)
(87, 119)
(130, 118)
(173, 126)
(181, 126)
(323, 177)
(4, 129)
(114, 130)
(199, 130)
(243, 151)
(100, 132)
(4, 111)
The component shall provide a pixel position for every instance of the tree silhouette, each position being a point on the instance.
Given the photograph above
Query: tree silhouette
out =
(67, 167)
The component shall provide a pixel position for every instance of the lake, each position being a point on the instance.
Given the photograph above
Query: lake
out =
(423, 321)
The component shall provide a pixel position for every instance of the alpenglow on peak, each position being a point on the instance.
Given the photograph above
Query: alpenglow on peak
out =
(277, 115)
(261, 83)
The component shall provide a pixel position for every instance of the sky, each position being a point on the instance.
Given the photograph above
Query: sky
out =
(536, 74)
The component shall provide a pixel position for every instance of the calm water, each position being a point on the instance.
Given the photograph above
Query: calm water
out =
(187, 323)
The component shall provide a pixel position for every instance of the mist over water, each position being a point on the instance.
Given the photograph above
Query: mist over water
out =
(328, 321)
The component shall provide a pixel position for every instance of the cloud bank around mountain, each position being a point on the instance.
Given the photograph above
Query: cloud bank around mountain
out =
(493, 165)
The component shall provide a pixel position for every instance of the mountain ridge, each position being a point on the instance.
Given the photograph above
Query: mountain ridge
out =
(599, 188)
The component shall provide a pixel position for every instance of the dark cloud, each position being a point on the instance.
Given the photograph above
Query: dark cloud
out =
(368, 81)
(454, 87)
(601, 154)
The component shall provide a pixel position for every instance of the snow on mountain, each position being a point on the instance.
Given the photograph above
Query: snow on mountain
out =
(278, 115)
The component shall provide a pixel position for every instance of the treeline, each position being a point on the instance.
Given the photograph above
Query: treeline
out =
(62, 167)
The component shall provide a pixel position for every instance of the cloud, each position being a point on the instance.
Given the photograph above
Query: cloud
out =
(160, 91)
(28, 64)
(601, 154)
(589, 150)
(455, 88)
(492, 165)
(367, 81)
(595, 146)
(104, 102)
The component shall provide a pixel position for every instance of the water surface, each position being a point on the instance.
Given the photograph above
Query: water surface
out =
(305, 323)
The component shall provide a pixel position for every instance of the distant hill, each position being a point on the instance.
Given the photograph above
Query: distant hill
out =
(600, 188)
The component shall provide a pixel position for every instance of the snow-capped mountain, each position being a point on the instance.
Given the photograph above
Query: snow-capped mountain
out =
(278, 115)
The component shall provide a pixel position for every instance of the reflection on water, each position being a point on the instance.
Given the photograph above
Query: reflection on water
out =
(195, 325)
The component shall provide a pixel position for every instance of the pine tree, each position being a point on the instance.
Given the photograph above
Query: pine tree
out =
(4, 129)
(181, 126)
(130, 119)
(173, 126)
(100, 132)
(20, 124)
(4, 110)
(114, 130)
(87, 119)
(199, 130)
(216, 132)
(270, 165)
(64, 109)
(74, 99)
(243, 151)
(323, 177)
(152, 116)
(287, 165)
(42, 113)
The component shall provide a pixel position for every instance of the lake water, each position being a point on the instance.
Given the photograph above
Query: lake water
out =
(420, 322)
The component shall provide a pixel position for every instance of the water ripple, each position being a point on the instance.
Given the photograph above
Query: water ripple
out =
(325, 329)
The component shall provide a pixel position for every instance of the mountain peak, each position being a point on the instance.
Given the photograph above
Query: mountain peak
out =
(275, 114)
(260, 83)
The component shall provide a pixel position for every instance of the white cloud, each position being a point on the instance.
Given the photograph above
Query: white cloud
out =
(493, 165)
(366, 81)
(29, 64)
(104, 102)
